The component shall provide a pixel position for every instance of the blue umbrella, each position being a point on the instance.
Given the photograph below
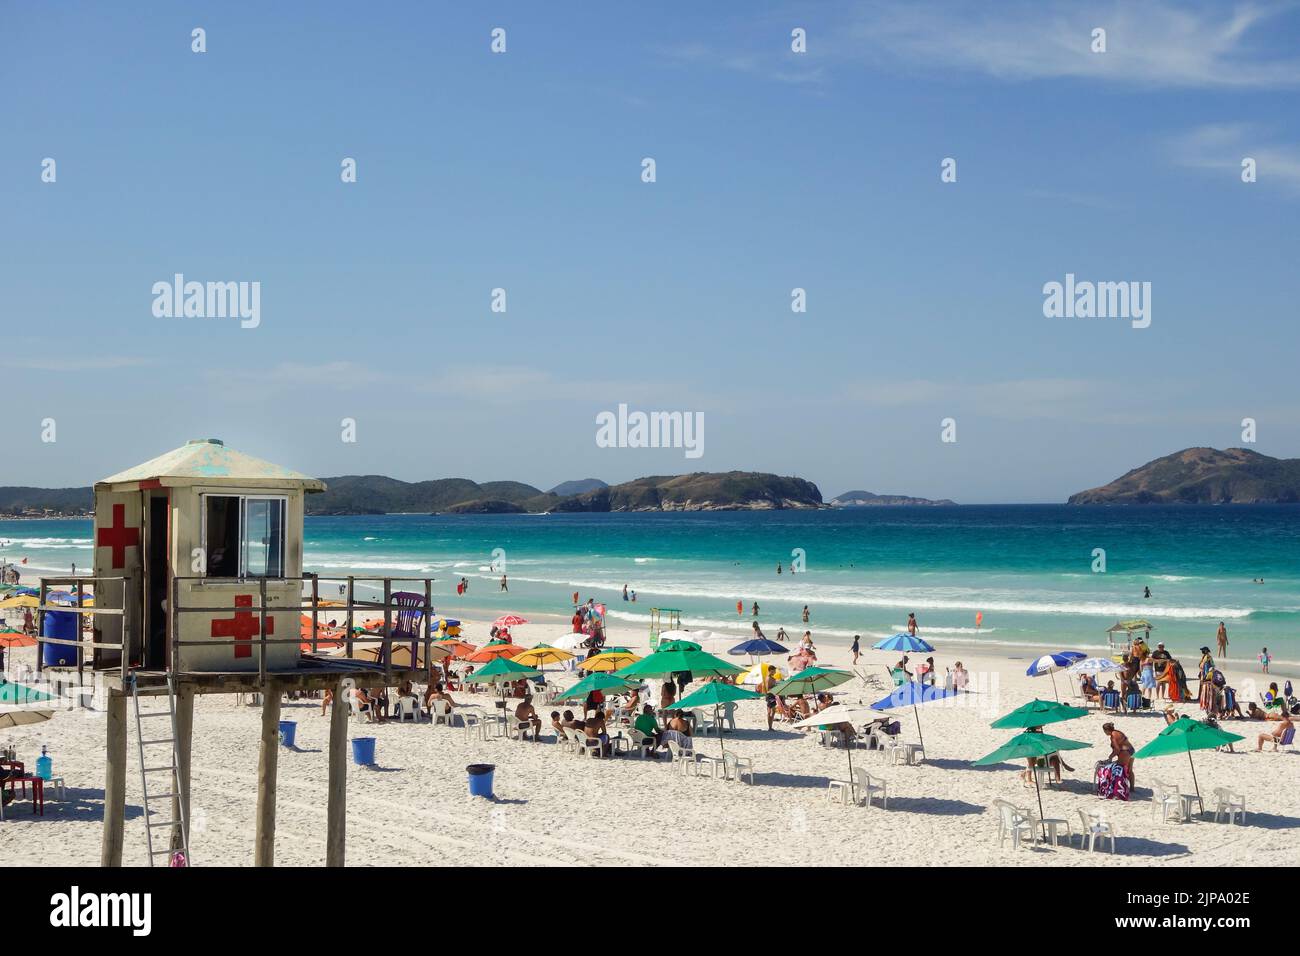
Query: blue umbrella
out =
(902, 642)
(760, 646)
(913, 694)
(1048, 663)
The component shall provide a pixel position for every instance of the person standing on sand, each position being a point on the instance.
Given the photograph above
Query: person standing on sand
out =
(856, 649)
(1222, 639)
(1264, 659)
(911, 624)
(1120, 749)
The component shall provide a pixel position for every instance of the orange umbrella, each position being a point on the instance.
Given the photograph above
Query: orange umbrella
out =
(11, 638)
(459, 649)
(490, 652)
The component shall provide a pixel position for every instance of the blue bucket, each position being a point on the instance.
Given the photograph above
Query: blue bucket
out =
(287, 730)
(363, 750)
(480, 779)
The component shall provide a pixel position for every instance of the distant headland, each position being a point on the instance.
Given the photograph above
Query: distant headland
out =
(1204, 476)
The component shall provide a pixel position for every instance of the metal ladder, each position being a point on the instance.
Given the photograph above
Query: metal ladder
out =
(148, 771)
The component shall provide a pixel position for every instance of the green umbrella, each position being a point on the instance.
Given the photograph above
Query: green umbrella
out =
(679, 646)
(597, 681)
(717, 694)
(11, 693)
(18, 695)
(1036, 713)
(502, 671)
(665, 663)
(1185, 735)
(1031, 745)
(810, 680)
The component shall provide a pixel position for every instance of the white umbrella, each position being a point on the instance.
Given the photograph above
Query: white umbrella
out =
(569, 641)
(16, 718)
(842, 714)
(1093, 665)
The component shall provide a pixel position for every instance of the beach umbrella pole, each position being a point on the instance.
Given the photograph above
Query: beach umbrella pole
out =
(1038, 790)
(917, 714)
(1055, 694)
(1194, 783)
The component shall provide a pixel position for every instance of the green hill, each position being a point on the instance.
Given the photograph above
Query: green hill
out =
(1203, 476)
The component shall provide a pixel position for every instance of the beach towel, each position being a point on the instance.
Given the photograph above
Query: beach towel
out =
(1112, 781)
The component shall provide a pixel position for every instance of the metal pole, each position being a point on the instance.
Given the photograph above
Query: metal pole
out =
(351, 598)
(315, 603)
(261, 638)
(387, 656)
(428, 632)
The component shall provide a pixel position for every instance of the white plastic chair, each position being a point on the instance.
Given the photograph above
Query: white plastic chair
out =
(1165, 799)
(590, 745)
(641, 743)
(869, 787)
(683, 757)
(408, 710)
(1014, 823)
(735, 767)
(441, 712)
(1094, 829)
(1229, 802)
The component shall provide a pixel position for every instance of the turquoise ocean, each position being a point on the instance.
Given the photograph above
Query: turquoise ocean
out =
(1028, 569)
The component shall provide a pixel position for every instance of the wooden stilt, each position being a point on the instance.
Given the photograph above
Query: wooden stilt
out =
(110, 853)
(337, 805)
(264, 854)
(184, 745)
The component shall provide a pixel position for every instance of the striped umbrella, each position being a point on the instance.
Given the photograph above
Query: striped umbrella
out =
(1050, 663)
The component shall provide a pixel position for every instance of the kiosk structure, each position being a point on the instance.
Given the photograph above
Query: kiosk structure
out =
(198, 589)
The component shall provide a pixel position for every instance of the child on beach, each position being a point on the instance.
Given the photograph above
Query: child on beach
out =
(1264, 659)
(856, 650)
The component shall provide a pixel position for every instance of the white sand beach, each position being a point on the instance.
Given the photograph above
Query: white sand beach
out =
(552, 807)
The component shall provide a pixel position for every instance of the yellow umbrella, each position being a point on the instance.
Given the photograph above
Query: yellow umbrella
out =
(765, 674)
(537, 656)
(23, 600)
(608, 661)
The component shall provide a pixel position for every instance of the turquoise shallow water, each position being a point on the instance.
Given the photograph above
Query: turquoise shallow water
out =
(1026, 568)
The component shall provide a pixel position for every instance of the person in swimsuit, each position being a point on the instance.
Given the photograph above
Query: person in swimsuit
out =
(856, 650)
(1222, 640)
(526, 713)
(1120, 749)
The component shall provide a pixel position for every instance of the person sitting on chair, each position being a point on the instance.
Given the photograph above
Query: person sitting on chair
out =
(1110, 698)
(526, 713)
(1275, 735)
(646, 724)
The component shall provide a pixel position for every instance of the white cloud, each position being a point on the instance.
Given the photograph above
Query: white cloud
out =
(1222, 147)
(1158, 44)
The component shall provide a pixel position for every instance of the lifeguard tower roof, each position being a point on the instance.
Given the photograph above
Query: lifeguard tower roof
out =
(202, 460)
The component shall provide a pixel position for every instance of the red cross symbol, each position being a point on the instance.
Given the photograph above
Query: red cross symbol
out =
(243, 626)
(118, 537)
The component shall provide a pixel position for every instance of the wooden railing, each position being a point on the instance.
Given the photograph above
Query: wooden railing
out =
(351, 606)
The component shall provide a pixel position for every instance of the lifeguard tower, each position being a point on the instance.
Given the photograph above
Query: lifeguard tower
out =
(663, 619)
(199, 587)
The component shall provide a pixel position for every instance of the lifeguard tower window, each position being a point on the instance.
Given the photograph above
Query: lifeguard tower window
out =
(243, 536)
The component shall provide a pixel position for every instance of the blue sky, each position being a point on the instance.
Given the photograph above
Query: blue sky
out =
(775, 170)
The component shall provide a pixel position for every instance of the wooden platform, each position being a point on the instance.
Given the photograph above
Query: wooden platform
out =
(312, 673)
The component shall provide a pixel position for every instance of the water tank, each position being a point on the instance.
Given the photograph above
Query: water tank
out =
(62, 625)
